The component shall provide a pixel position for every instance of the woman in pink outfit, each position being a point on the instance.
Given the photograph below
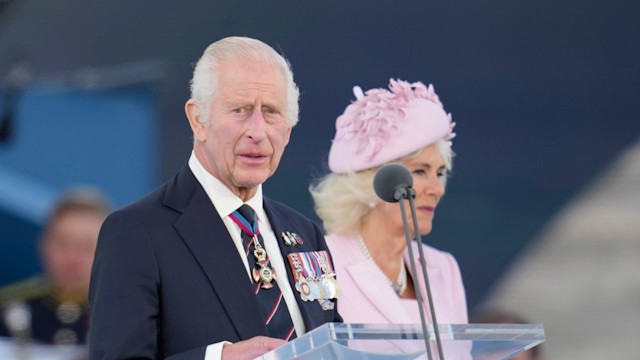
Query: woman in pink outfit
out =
(408, 125)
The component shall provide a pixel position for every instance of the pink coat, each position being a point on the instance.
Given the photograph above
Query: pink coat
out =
(366, 297)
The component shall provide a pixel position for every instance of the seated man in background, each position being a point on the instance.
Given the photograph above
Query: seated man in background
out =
(53, 308)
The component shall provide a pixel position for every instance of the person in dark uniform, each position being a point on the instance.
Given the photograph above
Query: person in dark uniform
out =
(53, 308)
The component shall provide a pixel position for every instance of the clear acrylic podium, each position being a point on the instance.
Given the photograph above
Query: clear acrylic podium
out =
(15, 350)
(372, 342)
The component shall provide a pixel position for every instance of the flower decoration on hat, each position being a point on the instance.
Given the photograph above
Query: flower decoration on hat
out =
(367, 132)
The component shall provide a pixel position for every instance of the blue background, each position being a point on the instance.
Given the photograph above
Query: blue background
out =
(63, 138)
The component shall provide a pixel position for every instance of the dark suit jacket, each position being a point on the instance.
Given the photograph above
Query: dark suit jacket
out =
(167, 279)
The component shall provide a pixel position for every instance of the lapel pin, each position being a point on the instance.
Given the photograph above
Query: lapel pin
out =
(291, 238)
(285, 237)
(295, 238)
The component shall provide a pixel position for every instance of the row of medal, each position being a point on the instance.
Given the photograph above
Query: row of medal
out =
(314, 276)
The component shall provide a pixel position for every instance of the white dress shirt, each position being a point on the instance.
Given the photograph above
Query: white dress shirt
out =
(225, 203)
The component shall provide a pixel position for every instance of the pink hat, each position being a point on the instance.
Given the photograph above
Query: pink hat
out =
(382, 126)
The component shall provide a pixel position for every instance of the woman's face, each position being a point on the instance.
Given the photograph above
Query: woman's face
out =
(428, 170)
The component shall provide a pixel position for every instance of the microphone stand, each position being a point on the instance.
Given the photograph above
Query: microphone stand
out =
(400, 194)
(393, 183)
(416, 228)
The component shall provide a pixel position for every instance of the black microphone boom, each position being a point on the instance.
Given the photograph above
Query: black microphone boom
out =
(394, 183)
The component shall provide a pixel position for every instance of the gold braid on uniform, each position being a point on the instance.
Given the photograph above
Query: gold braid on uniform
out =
(68, 307)
(24, 290)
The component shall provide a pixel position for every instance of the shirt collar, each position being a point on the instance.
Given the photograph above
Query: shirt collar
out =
(223, 199)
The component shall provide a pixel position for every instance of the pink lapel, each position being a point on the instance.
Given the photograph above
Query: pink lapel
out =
(436, 281)
(374, 287)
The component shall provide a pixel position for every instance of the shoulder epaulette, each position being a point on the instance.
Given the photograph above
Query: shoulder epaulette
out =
(23, 290)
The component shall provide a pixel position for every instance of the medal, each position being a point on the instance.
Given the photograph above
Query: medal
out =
(262, 272)
(304, 289)
(330, 286)
(291, 238)
(68, 312)
(297, 238)
(316, 291)
(286, 239)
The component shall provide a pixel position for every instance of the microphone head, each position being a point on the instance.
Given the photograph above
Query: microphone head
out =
(389, 179)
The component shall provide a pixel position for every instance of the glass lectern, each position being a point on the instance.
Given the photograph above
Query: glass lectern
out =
(372, 342)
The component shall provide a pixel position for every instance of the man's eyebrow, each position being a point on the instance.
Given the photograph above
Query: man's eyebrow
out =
(274, 105)
(234, 102)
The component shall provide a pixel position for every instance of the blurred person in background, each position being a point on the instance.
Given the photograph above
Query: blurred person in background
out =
(406, 124)
(53, 308)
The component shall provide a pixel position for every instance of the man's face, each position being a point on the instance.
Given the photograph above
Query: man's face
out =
(68, 246)
(246, 133)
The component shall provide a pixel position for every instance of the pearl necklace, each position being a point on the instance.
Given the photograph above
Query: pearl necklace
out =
(400, 285)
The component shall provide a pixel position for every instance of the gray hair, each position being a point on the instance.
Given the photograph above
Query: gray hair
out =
(343, 200)
(204, 84)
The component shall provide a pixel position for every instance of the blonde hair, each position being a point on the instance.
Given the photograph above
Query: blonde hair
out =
(343, 200)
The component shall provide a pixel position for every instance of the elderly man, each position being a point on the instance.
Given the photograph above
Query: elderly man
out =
(206, 267)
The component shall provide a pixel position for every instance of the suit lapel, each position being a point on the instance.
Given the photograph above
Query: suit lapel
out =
(205, 235)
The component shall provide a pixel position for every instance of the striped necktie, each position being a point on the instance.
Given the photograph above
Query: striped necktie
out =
(273, 307)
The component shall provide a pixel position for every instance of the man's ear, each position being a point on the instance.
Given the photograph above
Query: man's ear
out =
(192, 109)
(287, 136)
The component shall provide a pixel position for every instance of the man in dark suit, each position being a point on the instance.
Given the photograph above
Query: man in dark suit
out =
(205, 267)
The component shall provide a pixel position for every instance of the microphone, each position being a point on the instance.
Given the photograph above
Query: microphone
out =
(394, 183)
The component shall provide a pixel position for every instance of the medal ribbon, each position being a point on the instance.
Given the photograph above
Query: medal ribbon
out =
(269, 297)
(249, 228)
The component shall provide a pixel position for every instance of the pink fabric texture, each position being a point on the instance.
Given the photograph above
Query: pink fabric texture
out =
(365, 296)
(383, 125)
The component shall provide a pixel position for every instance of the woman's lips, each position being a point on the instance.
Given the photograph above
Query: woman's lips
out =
(429, 209)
